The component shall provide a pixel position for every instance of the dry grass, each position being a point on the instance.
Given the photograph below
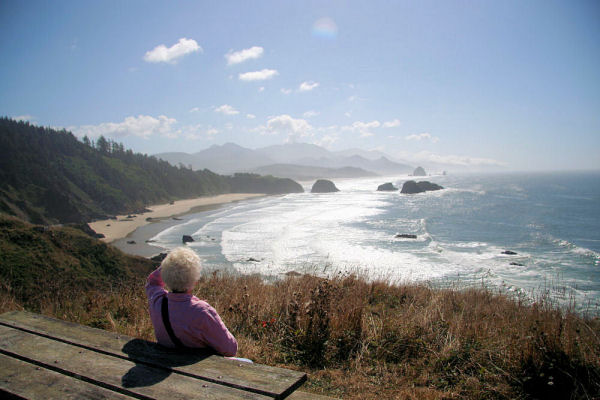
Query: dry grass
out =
(361, 340)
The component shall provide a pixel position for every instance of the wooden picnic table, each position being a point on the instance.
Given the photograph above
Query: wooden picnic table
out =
(43, 357)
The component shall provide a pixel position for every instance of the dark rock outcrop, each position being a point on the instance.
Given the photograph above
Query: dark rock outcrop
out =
(419, 171)
(131, 242)
(412, 187)
(324, 186)
(405, 236)
(386, 187)
(517, 264)
(187, 239)
(509, 252)
(159, 257)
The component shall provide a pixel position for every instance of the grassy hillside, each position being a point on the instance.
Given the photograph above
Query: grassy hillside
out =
(355, 339)
(48, 176)
(39, 263)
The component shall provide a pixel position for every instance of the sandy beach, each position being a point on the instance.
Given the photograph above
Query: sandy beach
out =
(114, 229)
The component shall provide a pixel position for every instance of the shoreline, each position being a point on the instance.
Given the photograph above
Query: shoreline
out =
(123, 226)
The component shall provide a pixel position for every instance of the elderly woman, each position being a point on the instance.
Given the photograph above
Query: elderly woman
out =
(180, 319)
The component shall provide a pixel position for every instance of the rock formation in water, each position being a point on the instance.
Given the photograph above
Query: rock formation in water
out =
(187, 239)
(324, 186)
(419, 171)
(405, 236)
(386, 187)
(412, 187)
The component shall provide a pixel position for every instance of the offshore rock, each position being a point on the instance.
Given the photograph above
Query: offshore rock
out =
(324, 186)
(159, 257)
(405, 236)
(386, 187)
(187, 239)
(509, 252)
(412, 187)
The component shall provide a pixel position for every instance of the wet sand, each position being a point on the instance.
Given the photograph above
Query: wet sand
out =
(124, 226)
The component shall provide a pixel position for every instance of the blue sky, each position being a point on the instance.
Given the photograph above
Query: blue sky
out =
(478, 83)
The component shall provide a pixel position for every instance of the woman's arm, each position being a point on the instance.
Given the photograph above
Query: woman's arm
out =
(154, 285)
(216, 334)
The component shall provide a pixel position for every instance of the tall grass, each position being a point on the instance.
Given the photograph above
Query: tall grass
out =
(367, 340)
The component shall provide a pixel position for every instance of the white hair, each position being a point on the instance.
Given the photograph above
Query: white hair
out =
(180, 270)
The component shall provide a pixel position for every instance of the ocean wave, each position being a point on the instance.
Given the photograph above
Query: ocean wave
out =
(573, 248)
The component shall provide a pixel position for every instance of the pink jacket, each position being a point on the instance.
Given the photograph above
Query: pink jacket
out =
(195, 323)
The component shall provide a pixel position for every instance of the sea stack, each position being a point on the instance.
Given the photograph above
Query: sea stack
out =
(386, 187)
(324, 186)
(412, 187)
(419, 171)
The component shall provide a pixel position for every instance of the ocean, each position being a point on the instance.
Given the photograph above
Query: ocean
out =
(550, 220)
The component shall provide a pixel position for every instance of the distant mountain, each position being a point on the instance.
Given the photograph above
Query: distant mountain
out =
(230, 158)
(368, 154)
(289, 153)
(48, 176)
(226, 159)
(381, 166)
(305, 173)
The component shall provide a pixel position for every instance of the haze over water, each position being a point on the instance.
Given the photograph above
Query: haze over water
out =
(552, 222)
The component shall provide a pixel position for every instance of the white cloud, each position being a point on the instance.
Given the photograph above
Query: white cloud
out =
(308, 86)
(286, 91)
(195, 109)
(26, 117)
(261, 89)
(250, 116)
(455, 160)
(284, 124)
(229, 126)
(348, 114)
(166, 54)
(310, 114)
(362, 128)
(423, 136)
(327, 140)
(196, 132)
(227, 110)
(243, 55)
(142, 126)
(258, 75)
(391, 124)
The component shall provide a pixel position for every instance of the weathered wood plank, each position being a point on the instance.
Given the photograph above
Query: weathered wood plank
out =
(117, 374)
(19, 379)
(262, 379)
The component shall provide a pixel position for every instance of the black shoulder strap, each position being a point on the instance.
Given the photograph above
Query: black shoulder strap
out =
(165, 317)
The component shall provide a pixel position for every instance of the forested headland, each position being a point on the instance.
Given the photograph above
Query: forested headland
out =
(48, 176)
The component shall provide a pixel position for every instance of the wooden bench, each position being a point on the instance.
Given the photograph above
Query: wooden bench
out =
(42, 357)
